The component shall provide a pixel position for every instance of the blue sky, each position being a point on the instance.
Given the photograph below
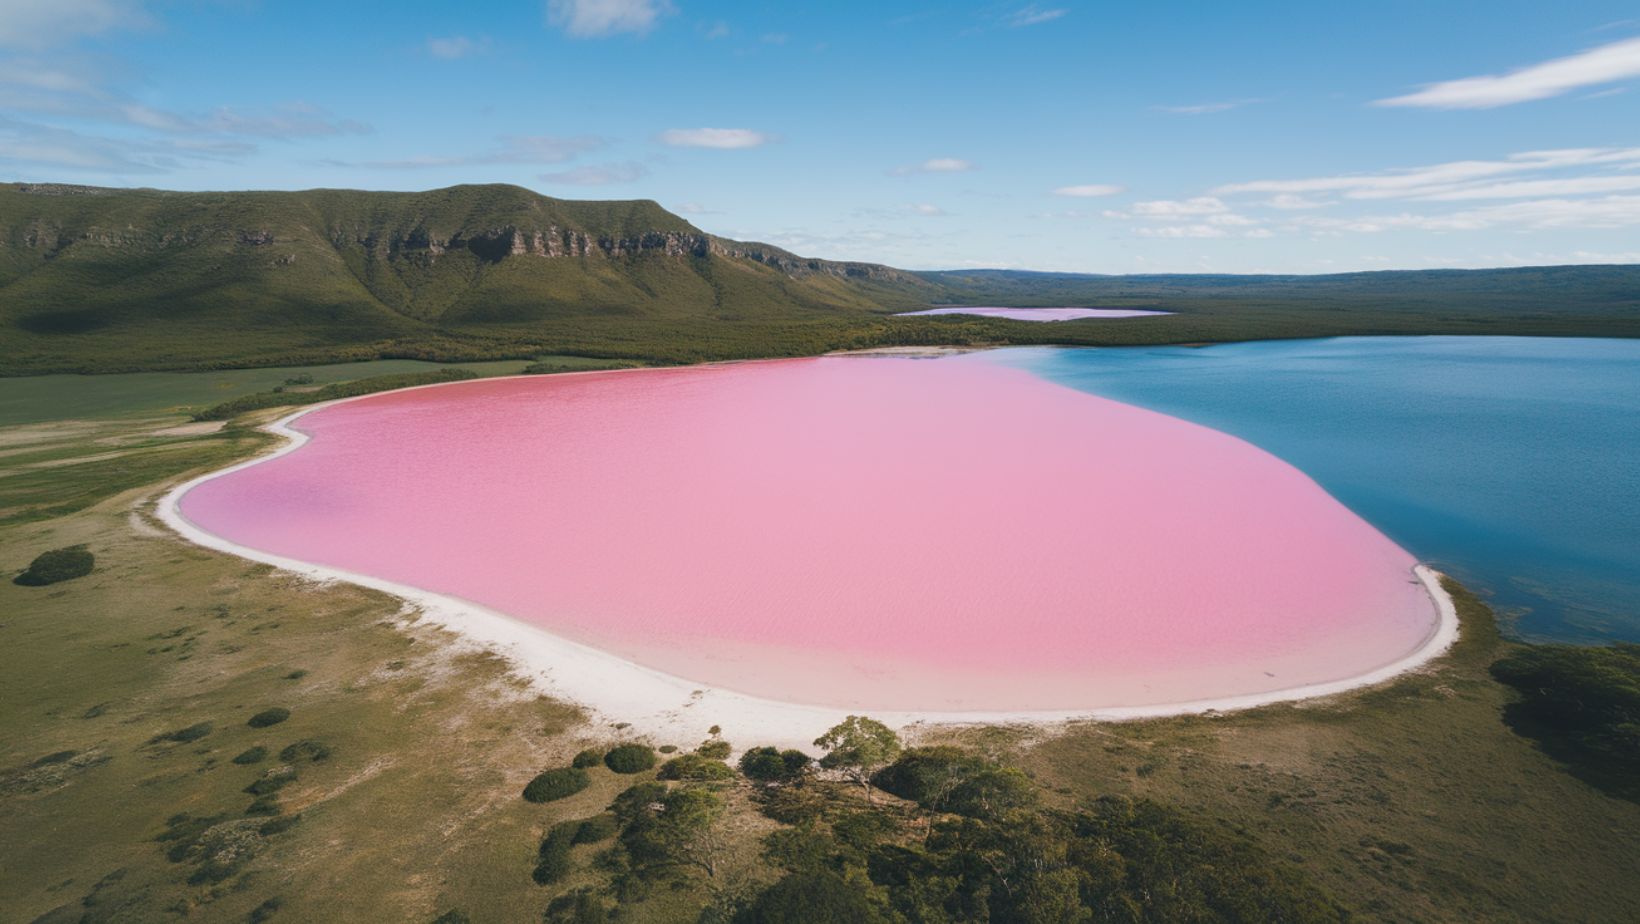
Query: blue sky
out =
(1095, 137)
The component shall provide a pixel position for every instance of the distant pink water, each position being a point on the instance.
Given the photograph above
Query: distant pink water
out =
(1042, 314)
(880, 533)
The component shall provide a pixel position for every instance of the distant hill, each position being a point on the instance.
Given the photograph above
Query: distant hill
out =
(95, 279)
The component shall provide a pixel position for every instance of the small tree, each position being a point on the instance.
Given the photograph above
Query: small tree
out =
(858, 746)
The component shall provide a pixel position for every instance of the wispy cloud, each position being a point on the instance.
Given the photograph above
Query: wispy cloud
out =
(1454, 179)
(601, 18)
(721, 138)
(453, 47)
(1605, 212)
(926, 209)
(1179, 208)
(29, 143)
(1206, 108)
(694, 208)
(512, 149)
(1034, 15)
(596, 175)
(935, 165)
(1088, 191)
(46, 23)
(1602, 65)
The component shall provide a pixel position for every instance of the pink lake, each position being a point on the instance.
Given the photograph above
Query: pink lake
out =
(874, 533)
(1041, 314)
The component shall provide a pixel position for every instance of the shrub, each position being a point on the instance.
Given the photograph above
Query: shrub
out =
(771, 765)
(184, 735)
(252, 756)
(553, 860)
(630, 758)
(668, 749)
(716, 749)
(266, 910)
(579, 907)
(811, 897)
(556, 784)
(272, 781)
(306, 749)
(278, 825)
(268, 717)
(792, 805)
(695, 767)
(1582, 704)
(264, 805)
(57, 565)
(636, 801)
(453, 917)
(591, 757)
(595, 829)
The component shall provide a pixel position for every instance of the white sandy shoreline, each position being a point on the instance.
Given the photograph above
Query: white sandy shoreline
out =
(671, 709)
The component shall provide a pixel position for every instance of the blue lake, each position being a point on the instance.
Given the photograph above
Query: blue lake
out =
(1512, 463)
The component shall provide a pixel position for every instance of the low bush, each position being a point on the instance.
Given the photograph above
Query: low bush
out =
(252, 756)
(57, 565)
(716, 749)
(556, 784)
(266, 910)
(636, 801)
(553, 860)
(582, 906)
(630, 758)
(1582, 704)
(264, 805)
(306, 749)
(668, 749)
(268, 717)
(695, 768)
(591, 757)
(772, 765)
(184, 735)
(597, 828)
(272, 781)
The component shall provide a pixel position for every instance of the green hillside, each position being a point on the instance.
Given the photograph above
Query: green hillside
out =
(101, 280)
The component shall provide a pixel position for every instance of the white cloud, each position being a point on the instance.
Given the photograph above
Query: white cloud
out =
(936, 165)
(45, 23)
(715, 31)
(1180, 208)
(1606, 64)
(1205, 108)
(722, 138)
(596, 175)
(1536, 215)
(694, 208)
(1088, 191)
(924, 208)
(1289, 201)
(1181, 231)
(1429, 181)
(1034, 15)
(452, 47)
(599, 18)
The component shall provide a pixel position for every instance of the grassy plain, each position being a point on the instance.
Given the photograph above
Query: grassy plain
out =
(1409, 802)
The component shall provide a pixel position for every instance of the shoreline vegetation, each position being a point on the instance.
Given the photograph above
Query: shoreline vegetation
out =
(133, 685)
(96, 280)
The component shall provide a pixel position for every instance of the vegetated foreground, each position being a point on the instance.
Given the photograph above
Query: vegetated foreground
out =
(936, 535)
(135, 785)
(105, 280)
